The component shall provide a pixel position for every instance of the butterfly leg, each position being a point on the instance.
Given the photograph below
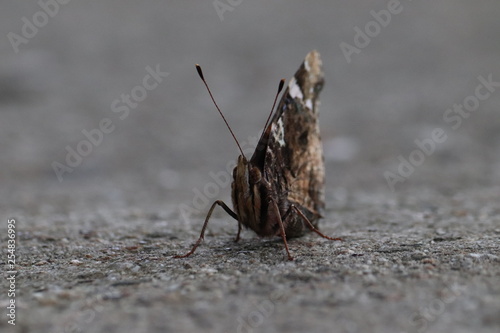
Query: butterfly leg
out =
(239, 230)
(276, 215)
(202, 235)
(309, 224)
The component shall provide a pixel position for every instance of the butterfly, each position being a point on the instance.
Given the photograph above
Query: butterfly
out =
(279, 191)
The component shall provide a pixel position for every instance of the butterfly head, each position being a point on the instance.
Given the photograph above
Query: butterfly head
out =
(246, 174)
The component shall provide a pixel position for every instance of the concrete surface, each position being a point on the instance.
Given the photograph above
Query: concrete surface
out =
(93, 251)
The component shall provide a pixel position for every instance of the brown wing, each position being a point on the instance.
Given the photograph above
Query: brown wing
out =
(290, 151)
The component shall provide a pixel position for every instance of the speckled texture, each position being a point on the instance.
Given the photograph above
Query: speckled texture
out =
(94, 251)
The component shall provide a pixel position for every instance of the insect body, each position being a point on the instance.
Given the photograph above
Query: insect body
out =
(280, 190)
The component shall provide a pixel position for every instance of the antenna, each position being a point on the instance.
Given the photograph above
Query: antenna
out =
(200, 73)
(280, 87)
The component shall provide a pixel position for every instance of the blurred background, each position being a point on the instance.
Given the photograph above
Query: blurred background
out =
(66, 67)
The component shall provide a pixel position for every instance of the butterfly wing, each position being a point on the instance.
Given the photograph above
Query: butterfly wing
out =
(290, 152)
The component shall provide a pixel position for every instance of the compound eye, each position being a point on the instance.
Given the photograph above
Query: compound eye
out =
(255, 176)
